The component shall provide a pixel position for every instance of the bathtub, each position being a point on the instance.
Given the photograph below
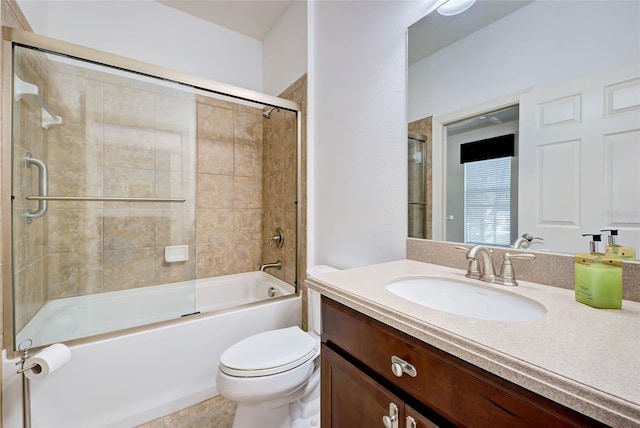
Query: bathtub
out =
(128, 379)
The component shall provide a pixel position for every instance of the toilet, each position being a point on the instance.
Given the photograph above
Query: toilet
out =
(274, 376)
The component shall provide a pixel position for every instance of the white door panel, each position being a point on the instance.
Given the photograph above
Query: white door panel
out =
(580, 151)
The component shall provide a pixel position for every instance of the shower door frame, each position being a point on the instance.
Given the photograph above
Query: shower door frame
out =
(11, 37)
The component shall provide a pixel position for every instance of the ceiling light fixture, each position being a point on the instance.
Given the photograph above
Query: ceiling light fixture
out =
(454, 7)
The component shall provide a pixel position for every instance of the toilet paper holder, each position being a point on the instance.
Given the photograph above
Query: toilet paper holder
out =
(38, 366)
(25, 356)
(25, 346)
(26, 388)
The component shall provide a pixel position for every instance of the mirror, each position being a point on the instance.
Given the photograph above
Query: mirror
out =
(572, 71)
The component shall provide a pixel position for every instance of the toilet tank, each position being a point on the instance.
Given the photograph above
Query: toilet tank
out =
(313, 299)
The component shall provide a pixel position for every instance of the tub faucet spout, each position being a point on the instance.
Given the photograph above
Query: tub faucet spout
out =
(277, 265)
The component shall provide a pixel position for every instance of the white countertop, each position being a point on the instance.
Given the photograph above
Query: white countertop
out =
(584, 358)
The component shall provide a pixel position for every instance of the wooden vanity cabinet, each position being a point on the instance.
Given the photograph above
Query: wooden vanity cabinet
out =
(359, 387)
(350, 398)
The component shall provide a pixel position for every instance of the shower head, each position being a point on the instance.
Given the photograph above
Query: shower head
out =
(267, 114)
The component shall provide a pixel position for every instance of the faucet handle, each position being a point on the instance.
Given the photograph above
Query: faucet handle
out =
(277, 237)
(507, 276)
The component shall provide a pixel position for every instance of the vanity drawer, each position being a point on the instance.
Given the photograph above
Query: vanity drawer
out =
(455, 389)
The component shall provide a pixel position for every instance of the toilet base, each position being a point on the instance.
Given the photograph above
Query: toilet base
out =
(305, 414)
(257, 415)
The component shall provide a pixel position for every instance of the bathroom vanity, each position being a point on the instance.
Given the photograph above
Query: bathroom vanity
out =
(387, 361)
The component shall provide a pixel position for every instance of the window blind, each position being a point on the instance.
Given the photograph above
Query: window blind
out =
(487, 201)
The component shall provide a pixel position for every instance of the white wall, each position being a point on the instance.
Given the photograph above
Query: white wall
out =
(154, 33)
(541, 44)
(285, 49)
(358, 130)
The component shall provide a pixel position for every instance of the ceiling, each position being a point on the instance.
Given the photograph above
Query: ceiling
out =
(435, 31)
(253, 18)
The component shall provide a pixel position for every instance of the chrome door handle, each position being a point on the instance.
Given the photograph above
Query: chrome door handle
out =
(411, 423)
(400, 366)
(43, 187)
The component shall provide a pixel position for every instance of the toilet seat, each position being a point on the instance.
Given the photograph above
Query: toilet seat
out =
(269, 353)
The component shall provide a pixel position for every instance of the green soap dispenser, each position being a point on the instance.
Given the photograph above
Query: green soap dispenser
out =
(626, 253)
(598, 277)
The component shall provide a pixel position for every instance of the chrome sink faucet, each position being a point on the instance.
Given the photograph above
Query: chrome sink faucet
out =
(480, 265)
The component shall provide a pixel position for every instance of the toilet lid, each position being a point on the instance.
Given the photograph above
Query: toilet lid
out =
(269, 353)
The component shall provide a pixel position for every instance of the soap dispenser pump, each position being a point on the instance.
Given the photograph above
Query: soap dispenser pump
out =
(598, 277)
(613, 247)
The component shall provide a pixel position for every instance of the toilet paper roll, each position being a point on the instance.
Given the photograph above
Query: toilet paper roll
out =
(47, 361)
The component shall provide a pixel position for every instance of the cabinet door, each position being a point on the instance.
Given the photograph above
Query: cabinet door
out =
(352, 399)
(413, 419)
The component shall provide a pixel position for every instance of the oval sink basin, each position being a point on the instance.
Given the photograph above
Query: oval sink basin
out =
(466, 299)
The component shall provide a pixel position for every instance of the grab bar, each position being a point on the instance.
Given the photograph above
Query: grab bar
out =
(44, 198)
(43, 187)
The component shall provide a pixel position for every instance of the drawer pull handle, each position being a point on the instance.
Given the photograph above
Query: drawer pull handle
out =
(400, 366)
(411, 423)
(391, 420)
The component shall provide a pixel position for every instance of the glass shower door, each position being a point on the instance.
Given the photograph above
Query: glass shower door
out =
(103, 198)
(417, 187)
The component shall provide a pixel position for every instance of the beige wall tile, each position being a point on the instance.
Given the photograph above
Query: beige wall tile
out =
(75, 180)
(73, 274)
(35, 239)
(214, 226)
(215, 157)
(275, 191)
(214, 191)
(247, 257)
(78, 143)
(247, 225)
(128, 147)
(178, 185)
(214, 260)
(128, 229)
(128, 106)
(275, 156)
(124, 269)
(174, 227)
(214, 123)
(73, 230)
(129, 182)
(248, 160)
(175, 112)
(247, 192)
(248, 127)
(174, 151)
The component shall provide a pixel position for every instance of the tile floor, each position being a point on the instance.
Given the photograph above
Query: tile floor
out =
(216, 412)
